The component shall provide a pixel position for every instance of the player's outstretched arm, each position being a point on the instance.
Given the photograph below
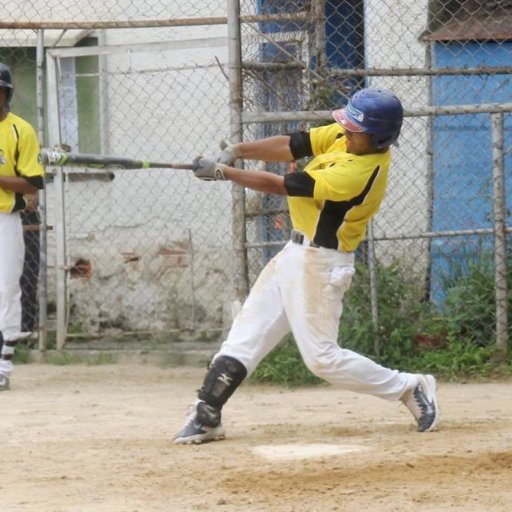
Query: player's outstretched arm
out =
(261, 181)
(271, 149)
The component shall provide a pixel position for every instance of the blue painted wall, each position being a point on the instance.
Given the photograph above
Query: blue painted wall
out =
(462, 145)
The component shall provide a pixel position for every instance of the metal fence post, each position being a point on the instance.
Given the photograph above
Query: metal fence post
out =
(43, 270)
(58, 182)
(373, 289)
(500, 239)
(238, 193)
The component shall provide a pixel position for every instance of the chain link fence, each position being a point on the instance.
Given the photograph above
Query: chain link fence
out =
(149, 248)
(157, 252)
(444, 218)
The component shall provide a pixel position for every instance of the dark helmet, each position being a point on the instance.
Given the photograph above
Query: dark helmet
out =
(374, 111)
(6, 81)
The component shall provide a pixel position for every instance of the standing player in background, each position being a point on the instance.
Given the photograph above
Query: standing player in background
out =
(31, 221)
(20, 174)
(302, 287)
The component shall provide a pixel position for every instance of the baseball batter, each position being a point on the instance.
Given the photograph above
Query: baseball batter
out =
(20, 174)
(302, 287)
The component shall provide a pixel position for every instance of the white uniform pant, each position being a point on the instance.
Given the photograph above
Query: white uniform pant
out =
(301, 289)
(12, 253)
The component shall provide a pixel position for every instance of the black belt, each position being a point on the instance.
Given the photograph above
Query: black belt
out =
(299, 238)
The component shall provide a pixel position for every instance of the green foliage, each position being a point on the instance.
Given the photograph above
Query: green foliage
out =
(458, 359)
(399, 311)
(76, 328)
(284, 366)
(21, 355)
(64, 358)
(470, 306)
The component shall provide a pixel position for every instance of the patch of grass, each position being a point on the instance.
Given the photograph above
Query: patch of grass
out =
(21, 355)
(63, 358)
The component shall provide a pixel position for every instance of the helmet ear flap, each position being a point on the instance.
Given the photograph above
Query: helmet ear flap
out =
(383, 142)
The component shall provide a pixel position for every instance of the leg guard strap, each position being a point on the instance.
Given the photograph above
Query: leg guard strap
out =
(208, 415)
(7, 350)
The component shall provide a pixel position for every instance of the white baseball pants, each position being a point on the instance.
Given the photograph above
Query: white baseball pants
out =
(301, 289)
(12, 253)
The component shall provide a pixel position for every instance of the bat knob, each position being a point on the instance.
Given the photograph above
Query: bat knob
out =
(50, 157)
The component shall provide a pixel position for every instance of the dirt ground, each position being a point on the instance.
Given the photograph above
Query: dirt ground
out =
(97, 438)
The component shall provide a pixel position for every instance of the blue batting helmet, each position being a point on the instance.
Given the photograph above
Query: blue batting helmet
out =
(377, 112)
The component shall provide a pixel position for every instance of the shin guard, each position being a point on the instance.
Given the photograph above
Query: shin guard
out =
(224, 376)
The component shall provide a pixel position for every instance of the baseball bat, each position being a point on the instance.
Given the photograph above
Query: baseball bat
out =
(62, 158)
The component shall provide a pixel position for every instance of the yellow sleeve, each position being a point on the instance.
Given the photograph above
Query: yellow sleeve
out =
(28, 164)
(323, 137)
(338, 183)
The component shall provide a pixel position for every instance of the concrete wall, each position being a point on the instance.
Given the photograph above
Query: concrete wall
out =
(393, 30)
(158, 242)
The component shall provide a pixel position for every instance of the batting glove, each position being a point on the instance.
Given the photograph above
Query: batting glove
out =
(208, 170)
(229, 153)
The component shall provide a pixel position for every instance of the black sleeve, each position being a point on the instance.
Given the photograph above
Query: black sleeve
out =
(299, 184)
(35, 181)
(300, 145)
